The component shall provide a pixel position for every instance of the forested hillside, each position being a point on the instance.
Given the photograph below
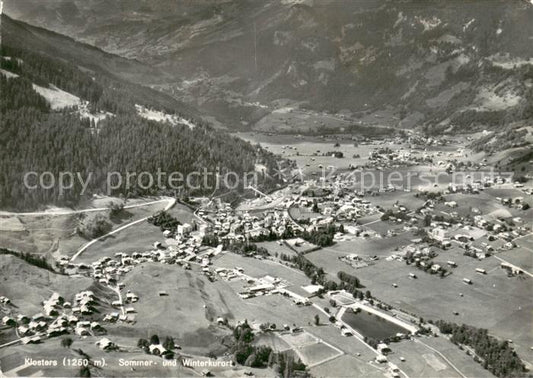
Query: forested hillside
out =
(33, 137)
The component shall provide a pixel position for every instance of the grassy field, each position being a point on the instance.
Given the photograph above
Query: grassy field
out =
(521, 256)
(27, 285)
(328, 257)
(347, 366)
(316, 353)
(308, 152)
(302, 213)
(388, 199)
(260, 268)
(137, 238)
(434, 298)
(294, 120)
(485, 202)
(421, 361)
(189, 311)
(193, 305)
(274, 248)
(273, 340)
(56, 234)
(13, 358)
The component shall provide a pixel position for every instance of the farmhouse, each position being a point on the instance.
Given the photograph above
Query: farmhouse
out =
(105, 344)
(157, 349)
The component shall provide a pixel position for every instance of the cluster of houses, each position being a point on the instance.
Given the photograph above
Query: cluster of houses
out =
(336, 200)
(230, 225)
(356, 261)
(384, 157)
(58, 317)
(4, 300)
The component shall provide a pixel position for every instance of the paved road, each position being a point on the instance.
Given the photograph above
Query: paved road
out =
(515, 266)
(70, 212)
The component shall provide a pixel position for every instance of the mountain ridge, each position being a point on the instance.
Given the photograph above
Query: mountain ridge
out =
(437, 66)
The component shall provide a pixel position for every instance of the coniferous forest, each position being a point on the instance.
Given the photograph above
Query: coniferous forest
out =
(33, 137)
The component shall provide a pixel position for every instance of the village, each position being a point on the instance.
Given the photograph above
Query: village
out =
(337, 232)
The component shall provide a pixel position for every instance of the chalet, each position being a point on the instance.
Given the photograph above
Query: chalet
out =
(184, 229)
(56, 331)
(80, 331)
(22, 318)
(381, 359)
(31, 340)
(8, 321)
(157, 349)
(22, 330)
(105, 344)
(131, 297)
(346, 332)
(261, 287)
(383, 348)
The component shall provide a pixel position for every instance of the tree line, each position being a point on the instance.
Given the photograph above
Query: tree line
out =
(496, 356)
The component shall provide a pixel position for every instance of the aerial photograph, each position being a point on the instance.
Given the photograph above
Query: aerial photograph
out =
(266, 188)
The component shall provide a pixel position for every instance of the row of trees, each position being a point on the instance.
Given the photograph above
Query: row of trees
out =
(498, 357)
(164, 221)
(37, 261)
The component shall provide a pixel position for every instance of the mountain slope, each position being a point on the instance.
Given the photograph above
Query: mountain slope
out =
(443, 65)
(107, 125)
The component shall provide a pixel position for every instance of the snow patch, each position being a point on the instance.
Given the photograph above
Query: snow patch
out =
(57, 98)
(159, 116)
(284, 110)
(429, 23)
(7, 74)
(508, 63)
(401, 18)
(467, 25)
(328, 65)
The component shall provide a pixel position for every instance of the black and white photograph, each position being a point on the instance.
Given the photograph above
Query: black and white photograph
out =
(266, 188)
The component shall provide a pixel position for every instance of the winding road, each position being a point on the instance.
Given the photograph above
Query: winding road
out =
(171, 203)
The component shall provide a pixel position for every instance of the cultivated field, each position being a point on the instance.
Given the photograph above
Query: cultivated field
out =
(260, 268)
(328, 257)
(188, 311)
(493, 301)
(137, 238)
(274, 248)
(347, 366)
